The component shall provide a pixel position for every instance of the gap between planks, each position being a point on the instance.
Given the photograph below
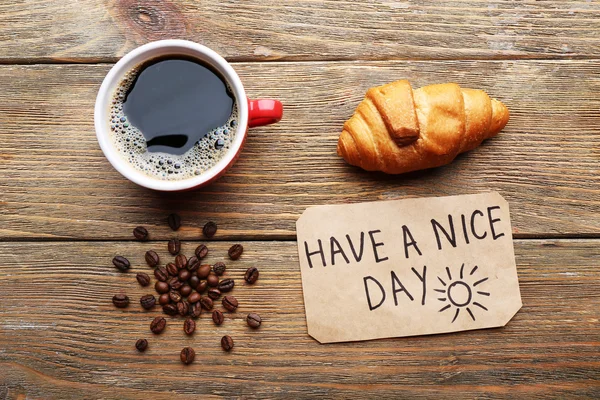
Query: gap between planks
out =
(270, 238)
(300, 60)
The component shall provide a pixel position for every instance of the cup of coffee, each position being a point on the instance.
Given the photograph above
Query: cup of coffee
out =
(173, 115)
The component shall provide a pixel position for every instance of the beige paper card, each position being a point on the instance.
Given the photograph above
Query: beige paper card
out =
(407, 267)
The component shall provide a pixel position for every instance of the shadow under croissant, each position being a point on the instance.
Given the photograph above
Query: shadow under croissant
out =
(462, 162)
(378, 176)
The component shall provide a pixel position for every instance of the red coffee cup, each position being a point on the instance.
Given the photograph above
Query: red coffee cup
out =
(251, 113)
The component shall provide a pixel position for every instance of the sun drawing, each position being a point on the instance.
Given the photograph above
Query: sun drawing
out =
(460, 294)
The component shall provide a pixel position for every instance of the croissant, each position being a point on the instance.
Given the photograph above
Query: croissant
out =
(398, 130)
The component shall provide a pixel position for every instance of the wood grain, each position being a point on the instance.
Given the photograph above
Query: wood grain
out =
(60, 335)
(102, 30)
(57, 184)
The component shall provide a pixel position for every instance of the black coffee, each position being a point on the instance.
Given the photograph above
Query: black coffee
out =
(175, 102)
(173, 117)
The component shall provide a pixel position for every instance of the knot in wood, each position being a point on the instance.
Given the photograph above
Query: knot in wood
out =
(151, 19)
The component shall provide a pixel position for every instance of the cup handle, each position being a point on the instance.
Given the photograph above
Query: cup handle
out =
(264, 112)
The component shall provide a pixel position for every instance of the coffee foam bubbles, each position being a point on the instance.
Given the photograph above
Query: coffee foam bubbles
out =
(131, 144)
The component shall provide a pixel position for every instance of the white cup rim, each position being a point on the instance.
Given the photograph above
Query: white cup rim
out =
(146, 52)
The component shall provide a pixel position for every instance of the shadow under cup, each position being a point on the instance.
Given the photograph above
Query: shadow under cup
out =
(249, 112)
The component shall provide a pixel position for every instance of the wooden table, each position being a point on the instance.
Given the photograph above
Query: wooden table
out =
(65, 212)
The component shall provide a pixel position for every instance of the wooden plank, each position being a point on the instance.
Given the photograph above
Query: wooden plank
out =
(57, 184)
(94, 30)
(60, 335)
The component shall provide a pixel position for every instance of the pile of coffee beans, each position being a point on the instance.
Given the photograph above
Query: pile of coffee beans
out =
(186, 287)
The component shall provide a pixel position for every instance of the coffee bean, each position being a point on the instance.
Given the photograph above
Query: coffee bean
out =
(196, 310)
(227, 343)
(174, 221)
(253, 320)
(214, 293)
(158, 325)
(172, 269)
(174, 296)
(230, 303)
(181, 261)
(148, 301)
(141, 345)
(235, 251)
(207, 303)
(226, 285)
(193, 264)
(120, 300)
(209, 229)
(189, 326)
(251, 275)
(201, 286)
(187, 355)
(217, 317)
(161, 274)
(185, 290)
(219, 268)
(170, 309)
(194, 297)
(184, 275)
(212, 280)
(164, 299)
(121, 263)
(143, 279)
(201, 251)
(161, 287)
(175, 283)
(140, 233)
(183, 308)
(174, 246)
(152, 258)
(203, 271)
(194, 281)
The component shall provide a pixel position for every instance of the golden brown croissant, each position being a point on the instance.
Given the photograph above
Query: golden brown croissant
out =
(397, 130)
